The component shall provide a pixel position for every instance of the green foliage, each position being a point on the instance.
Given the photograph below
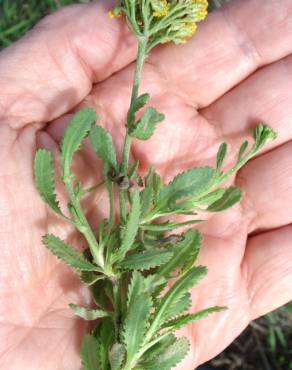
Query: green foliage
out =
(136, 105)
(45, 179)
(145, 127)
(190, 183)
(89, 353)
(131, 228)
(116, 356)
(87, 313)
(103, 146)
(182, 321)
(221, 156)
(146, 260)
(76, 132)
(130, 261)
(230, 197)
(170, 357)
(136, 323)
(67, 254)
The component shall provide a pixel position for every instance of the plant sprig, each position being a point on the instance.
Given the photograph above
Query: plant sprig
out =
(131, 259)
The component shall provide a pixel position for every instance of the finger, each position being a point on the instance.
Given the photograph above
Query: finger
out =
(268, 268)
(53, 68)
(263, 97)
(228, 47)
(267, 185)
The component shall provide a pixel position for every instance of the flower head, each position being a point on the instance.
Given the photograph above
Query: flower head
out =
(163, 20)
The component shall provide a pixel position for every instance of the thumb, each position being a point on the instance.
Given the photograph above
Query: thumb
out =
(53, 68)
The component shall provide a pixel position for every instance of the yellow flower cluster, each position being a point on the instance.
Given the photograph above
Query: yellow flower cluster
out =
(161, 8)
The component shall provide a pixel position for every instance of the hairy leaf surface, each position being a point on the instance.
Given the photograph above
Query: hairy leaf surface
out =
(103, 146)
(90, 354)
(76, 132)
(67, 254)
(146, 260)
(45, 179)
(87, 313)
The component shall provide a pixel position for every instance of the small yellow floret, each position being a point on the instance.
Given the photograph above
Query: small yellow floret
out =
(115, 13)
(161, 8)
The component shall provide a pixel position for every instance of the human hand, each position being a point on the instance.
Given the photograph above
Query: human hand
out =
(212, 90)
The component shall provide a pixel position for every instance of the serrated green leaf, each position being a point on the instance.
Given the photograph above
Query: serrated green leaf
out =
(221, 156)
(136, 287)
(242, 149)
(211, 197)
(153, 181)
(230, 197)
(146, 260)
(182, 321)
(168, 225)
(170, 357)
(89, 353)
(105, 332)
(178, 306)
(175, 293)
(116, 356)
(77, 130)
(137, 104)
(67, 254)
(158, 348)
(131, 229)
(87, 313)
(190, 183)
(145, 127)
(183, 252)
(133, 170)
(147, 196)
(103, 146)
(45, 179)
(135, 324)
(90, 278)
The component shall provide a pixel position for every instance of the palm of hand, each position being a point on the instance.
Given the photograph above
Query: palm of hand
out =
(38, 329)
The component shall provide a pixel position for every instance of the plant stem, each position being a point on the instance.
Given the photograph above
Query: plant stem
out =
(110, 188)
(83, 226)
(142, 52)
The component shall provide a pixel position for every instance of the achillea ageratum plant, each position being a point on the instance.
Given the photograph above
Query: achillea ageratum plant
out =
(128, 264)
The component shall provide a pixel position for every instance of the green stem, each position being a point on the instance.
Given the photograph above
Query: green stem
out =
(83, 226)
(110, 188)
(142, 52)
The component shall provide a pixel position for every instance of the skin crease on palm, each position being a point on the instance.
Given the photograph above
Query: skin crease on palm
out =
(235, 72)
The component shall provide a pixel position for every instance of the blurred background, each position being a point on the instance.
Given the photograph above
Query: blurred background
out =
(267, 343)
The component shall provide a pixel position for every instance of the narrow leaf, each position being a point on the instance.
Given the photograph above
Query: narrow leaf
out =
(87, 313)
(221, 156)
(89, 353)
(103, 146)
(131, 229)
(190, 183)
(135, 324)
(136, 287)
(230, 197)
(137, 104)
(147, 196)
(105, 332)
(183, 252)
(175, 293)
(242, 149)
(145, 127)
(45, 179)
(169, 225)
(188, 319)
(146, 260)
(211, 197)
(116, 356)
(76, 132)
(158, 348)
(67, 254)
(170, 357)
